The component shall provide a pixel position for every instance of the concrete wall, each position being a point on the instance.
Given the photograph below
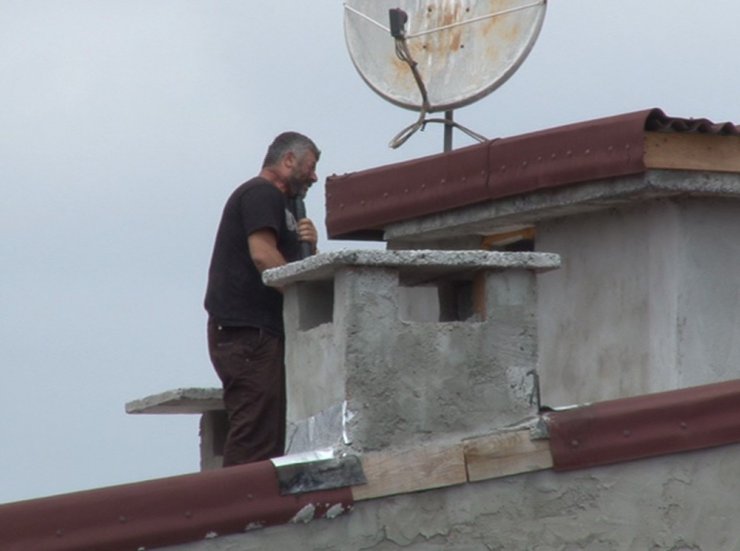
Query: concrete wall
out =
(685, 502)
(646, 300)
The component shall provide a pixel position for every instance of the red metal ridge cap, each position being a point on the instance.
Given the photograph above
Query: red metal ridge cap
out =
(645, 426)
(360, 204)
(594, 150)
(162, 512)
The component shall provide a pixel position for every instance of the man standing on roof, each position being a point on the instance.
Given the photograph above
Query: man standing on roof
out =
(245, 324)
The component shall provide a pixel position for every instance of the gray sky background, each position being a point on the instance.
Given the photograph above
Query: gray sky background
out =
(125, 124)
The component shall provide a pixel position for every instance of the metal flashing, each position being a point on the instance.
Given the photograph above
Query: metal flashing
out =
(321, 474)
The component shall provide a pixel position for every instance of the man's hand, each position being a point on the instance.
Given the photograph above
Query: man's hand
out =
(307, 232)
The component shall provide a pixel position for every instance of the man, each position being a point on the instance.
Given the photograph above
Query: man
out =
(245, 324)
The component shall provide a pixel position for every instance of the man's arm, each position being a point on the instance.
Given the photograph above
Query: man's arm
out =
(263, 250)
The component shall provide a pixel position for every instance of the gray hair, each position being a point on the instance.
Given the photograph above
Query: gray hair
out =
(289, 142)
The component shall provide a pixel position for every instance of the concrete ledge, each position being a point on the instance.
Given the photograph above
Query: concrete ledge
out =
(411, 264)
(525, 210)
(181, 400)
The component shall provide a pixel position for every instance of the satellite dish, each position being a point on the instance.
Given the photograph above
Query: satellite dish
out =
(462, 49)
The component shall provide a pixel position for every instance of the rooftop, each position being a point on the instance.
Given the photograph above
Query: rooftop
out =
(362, 205)
(647, 150)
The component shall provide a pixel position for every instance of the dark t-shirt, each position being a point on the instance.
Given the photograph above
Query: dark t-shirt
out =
(236, 295)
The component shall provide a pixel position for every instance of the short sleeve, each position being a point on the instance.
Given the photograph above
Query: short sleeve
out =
(262, 207)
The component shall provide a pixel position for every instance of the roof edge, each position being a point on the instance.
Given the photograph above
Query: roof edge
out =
(360, 205)
(163, 512)
(645, 426)
(190, 508)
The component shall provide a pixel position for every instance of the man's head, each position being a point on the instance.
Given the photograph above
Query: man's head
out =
(293, 157)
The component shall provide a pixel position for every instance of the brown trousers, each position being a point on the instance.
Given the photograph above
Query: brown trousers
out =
(250, 363)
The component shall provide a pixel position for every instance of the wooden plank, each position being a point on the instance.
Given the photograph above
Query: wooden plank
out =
(505, 454)
(479, 296)
(506, 238)
(405, 471)
(692, 152)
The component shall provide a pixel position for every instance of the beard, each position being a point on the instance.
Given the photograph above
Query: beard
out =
(298, 184)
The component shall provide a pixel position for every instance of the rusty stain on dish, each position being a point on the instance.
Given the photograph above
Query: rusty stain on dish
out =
(505, 29)
(511, 32)
(462, 54)
(426, 50)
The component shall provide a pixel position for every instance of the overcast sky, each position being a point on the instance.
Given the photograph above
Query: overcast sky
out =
(125, 124)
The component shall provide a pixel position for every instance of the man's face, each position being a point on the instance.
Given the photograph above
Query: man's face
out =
(302, 174)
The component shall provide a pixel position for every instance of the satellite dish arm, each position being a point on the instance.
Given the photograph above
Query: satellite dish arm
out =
(398, 20)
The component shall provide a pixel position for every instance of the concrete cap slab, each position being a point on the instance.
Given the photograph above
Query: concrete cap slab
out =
(411, 264)
(180, 400)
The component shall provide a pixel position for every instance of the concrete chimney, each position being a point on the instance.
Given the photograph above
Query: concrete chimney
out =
(392, 348)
